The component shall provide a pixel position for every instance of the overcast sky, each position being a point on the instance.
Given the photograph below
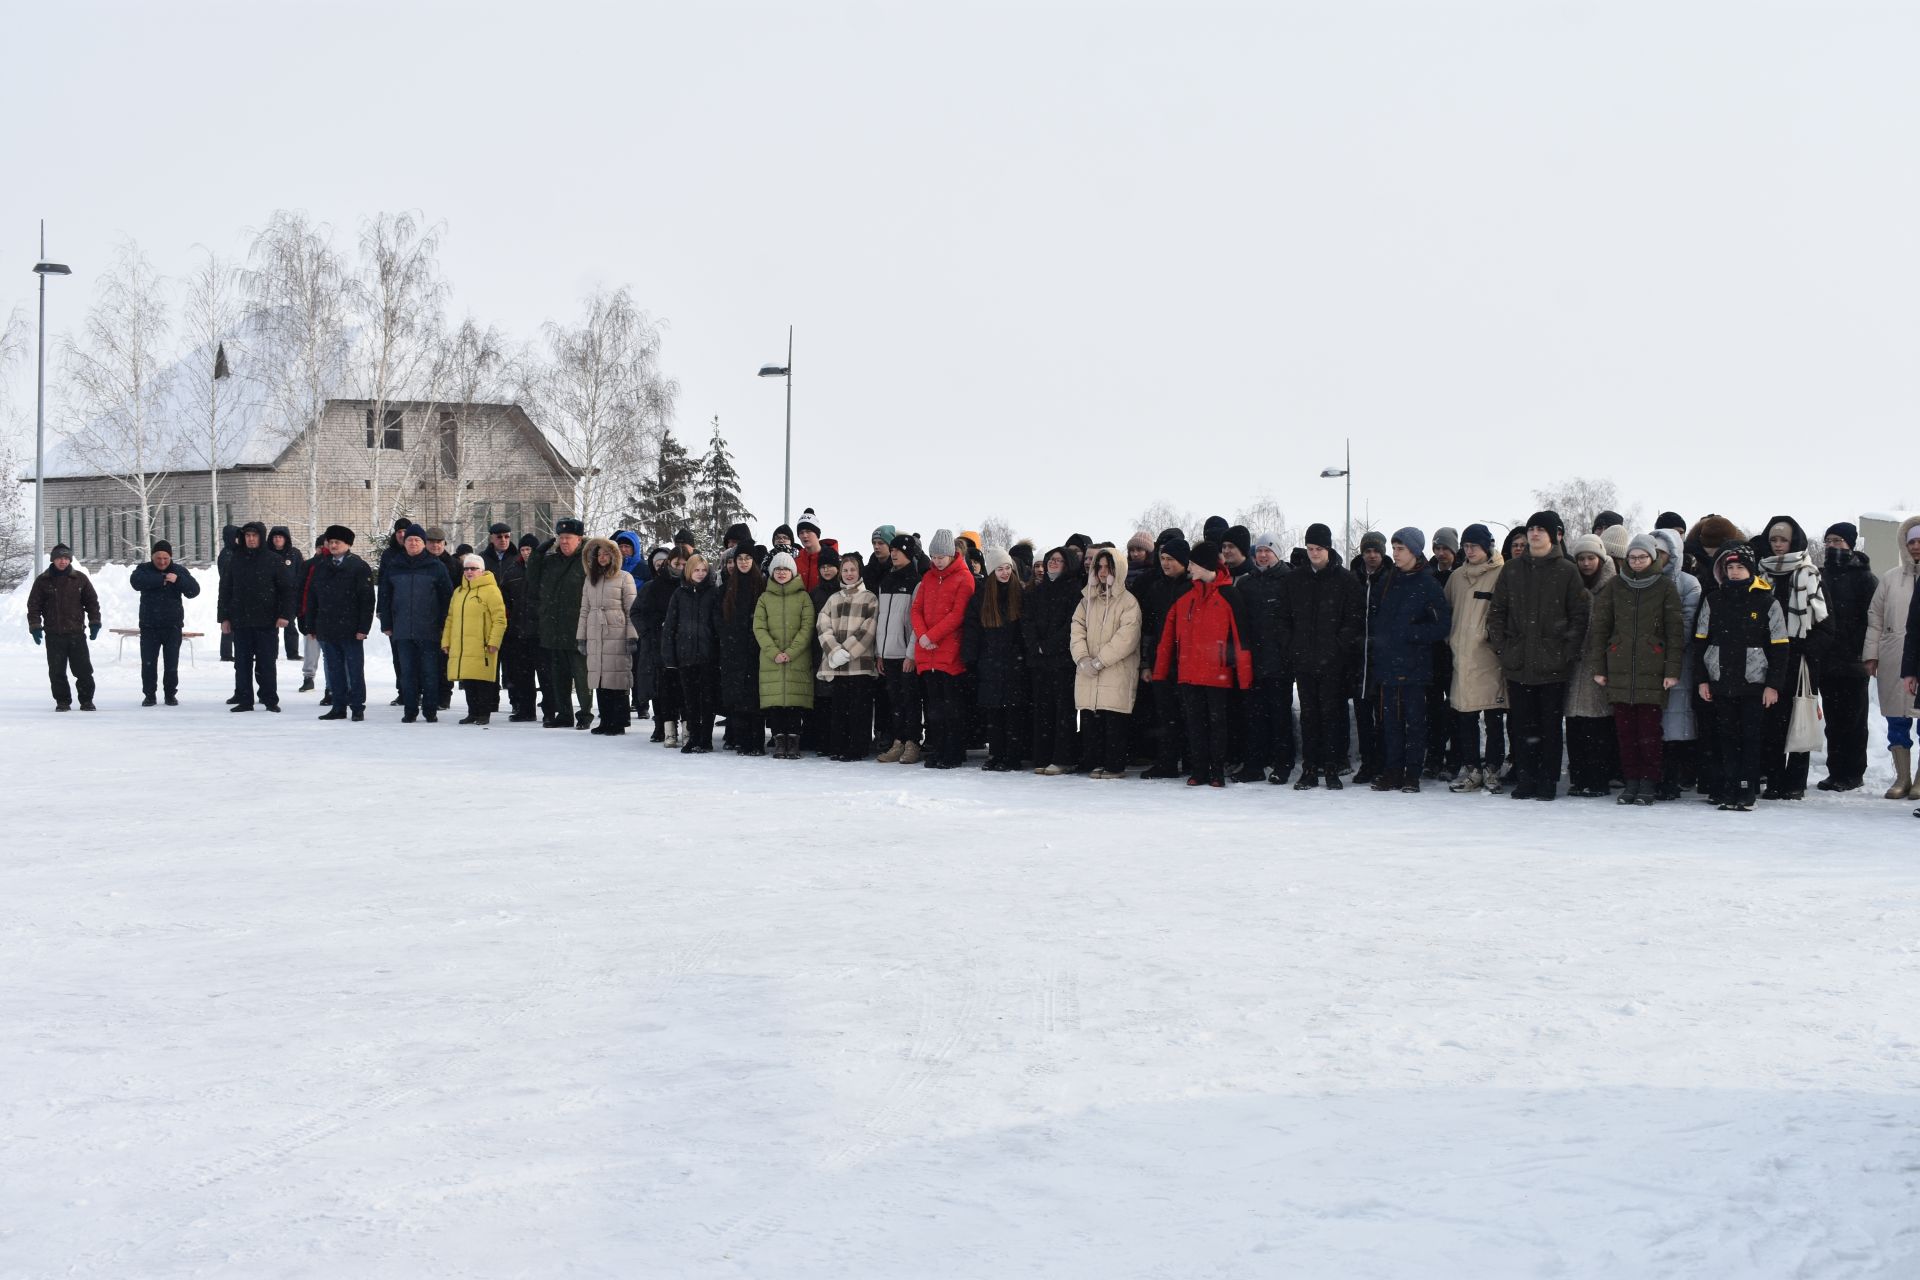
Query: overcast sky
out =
(1057, 262)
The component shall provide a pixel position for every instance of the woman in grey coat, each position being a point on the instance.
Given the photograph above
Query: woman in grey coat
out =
(606, 634)
(1677, 727)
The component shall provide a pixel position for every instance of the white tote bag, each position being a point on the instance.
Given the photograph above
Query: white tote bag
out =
(1804, 732)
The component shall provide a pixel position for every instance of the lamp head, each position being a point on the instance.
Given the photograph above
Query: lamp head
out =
(773, 371)
(52, 269)
(1331, 473)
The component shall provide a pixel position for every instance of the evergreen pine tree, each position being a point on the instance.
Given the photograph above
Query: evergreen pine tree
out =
(662, 502)
(717, 502)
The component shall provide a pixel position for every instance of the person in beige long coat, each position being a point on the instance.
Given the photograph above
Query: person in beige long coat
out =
(1886, 638)
(1105, 646)
(1479, 689)
(606, 633)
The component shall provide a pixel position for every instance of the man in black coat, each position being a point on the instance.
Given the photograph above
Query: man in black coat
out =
(229, 541)
(256, 600)
(164, 587)
(1847, 577)
(1046, 626)
(1321, 621)
(338, 612)
(1370, 573)
(520, 649)
(393, 553)
(1269, 703)
(437, 548)
(280, 542)
(310, 654)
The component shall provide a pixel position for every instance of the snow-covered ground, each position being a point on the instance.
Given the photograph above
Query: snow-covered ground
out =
(293, 999)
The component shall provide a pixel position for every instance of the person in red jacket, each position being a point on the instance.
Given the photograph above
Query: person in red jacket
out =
(939, 614)
(807, 558)
(1200, 646)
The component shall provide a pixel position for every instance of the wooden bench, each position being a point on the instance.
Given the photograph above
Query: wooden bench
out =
(127, 633)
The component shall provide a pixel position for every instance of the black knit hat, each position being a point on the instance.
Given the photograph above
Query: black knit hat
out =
(163, 545)
(685, 538)
(1214, 529)
(400, 525)
(1206, 555)
(1606, 520)
(319, 543)
(1847, 531)
(1242, 537)
(528, 540)
(1177, 547)
(1478, 535)
(1318, 535)
(901, 542)
(1550, 521)
(1373, 540)
(1671, 520)
(60, 549)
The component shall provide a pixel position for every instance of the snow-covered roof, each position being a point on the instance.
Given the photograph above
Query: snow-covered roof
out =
(252, 433)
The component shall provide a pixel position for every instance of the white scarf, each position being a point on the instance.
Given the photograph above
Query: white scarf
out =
(1806, 606)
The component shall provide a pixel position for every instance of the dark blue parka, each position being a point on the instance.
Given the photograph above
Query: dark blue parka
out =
(161, 607)
(414, 592)
(1410, 616)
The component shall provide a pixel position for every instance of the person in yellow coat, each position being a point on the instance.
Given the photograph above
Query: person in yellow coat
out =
(475, 628)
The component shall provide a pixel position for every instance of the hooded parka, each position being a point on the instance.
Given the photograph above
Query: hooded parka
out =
(605, 623)
(1106, 628)
(1478, 682)
(783, 623)
(1887, 625)
(1637, 638)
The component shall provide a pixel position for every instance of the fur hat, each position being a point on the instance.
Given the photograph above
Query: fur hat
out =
(345, 534)
(1412, 539)
(1318, 535)
(1715, 531)
(569, 524)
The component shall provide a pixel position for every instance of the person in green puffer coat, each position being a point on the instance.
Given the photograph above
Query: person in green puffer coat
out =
(1636, 645)
(783, 624)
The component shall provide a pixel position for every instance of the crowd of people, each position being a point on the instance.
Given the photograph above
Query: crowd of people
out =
(1653, 664)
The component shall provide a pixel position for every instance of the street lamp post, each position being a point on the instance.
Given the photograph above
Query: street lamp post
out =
(785, 371)
(43, 269)
(1346, 473)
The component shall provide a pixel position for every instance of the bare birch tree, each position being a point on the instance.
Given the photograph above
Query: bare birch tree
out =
(211, 318)
(397, 295)
(601, 394)
(116, 387)
(470, 368)
(296, 291)
(996, 531)
(1265, 516)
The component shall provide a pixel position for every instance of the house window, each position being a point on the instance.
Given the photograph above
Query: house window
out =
(482, 517)
(391, 435)
(512, 517)
(449, 444)
(543, 519)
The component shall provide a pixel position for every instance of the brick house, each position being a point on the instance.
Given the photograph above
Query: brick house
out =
(458, 466)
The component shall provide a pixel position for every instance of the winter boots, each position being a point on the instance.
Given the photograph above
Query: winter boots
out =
(1472, 778)
(892, 754)
(910, 753)
(306, 686)
(1902, 787)
(672, 739)
(1308, 780)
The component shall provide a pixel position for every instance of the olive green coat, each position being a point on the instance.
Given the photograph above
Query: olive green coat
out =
(783, 623)
(1637, 638)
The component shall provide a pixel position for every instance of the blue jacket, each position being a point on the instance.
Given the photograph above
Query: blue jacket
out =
(160, 602)
(1410, 616)
(633, 556)
(414, 592)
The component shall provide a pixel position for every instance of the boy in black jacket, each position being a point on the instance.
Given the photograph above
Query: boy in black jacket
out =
(1741, 640)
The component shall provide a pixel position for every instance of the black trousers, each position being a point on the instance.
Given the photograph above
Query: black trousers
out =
(1323, 723)
(699, 694)
(1844, 699)
(66, 652)
(566, 679)
(1739, 726)
(1005, 729)
(519, 660)
(614, 710)
(1054, 718)
(1209, 715)
(1707, 759)
(1170, 721)
(1537, 718)
(293, 641)
(483, 696)
(1467, 748)
(1592, 751)
(1269, 707)
(852, 734)
(1105, 737)
(158, 649)
(255, 650)
(1369, 729)
(903, 701)
(946, 719)
(1440, 726)
(784, 721)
